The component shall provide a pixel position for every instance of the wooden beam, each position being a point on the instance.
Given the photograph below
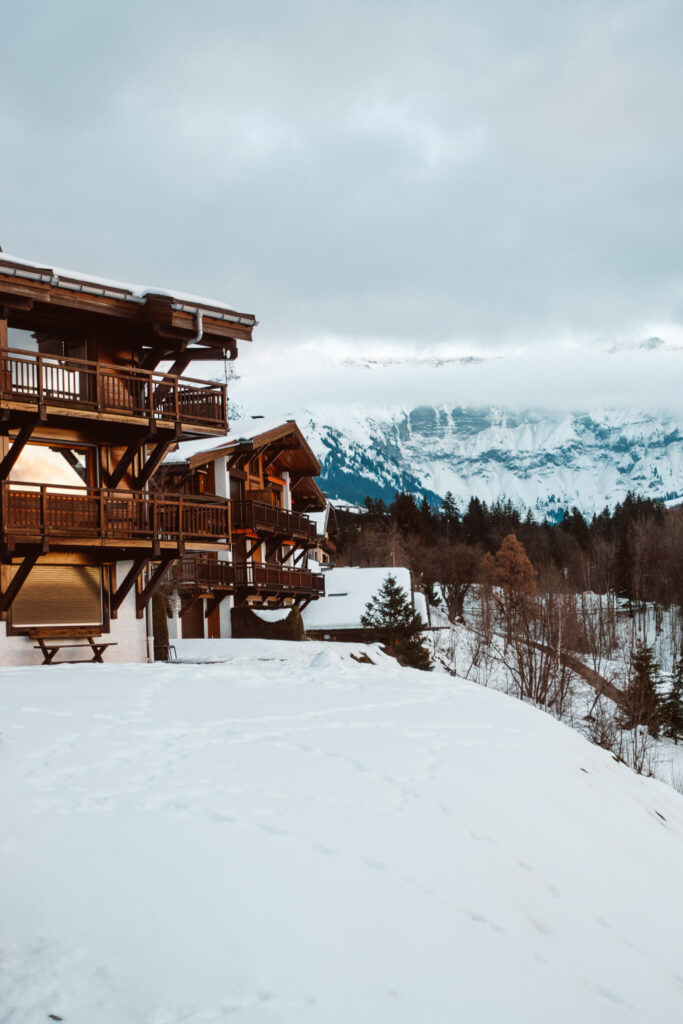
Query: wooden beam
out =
(240, 454)
(202, 355)
(154, 460)
(292, 551)
(18, 445)
(273, 545)
(304, 552)
(16, 302)
(125, 462)
(155, 581)
(214, 603)
(151, 359)
(180, 365)
(127, 584)
(254, 548)
(17, 581)
(77, 466)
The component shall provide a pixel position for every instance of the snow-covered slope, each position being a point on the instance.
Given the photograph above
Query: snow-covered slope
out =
(539, 460)
(293, 836)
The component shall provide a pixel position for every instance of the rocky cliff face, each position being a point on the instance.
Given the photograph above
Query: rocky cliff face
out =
(543, 461)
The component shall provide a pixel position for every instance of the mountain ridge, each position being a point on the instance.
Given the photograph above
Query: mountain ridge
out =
(542, 461)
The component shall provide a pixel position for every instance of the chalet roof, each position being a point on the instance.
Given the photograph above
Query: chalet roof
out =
(325, 521)
(73, 281)
(77, 291)
(257, 433)
(306, 494)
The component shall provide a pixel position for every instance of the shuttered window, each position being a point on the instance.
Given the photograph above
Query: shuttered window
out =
(59, 595)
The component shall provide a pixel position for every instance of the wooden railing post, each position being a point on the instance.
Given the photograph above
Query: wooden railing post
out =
(43, 510)
(103, 525)
(181, 515)
(155, 516)
(40, 378)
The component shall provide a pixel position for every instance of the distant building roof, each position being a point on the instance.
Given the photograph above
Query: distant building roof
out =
(347, 592)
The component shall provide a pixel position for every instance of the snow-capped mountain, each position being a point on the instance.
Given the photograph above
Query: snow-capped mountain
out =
(539, 460)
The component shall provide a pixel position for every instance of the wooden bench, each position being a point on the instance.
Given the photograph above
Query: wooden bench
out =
(53, 639)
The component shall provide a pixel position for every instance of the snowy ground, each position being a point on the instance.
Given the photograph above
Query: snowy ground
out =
(292, 835)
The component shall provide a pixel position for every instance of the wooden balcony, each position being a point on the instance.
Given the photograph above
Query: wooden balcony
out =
(61, 386)
(201, 574)
(262, 518)
(264, 576)
(67, 516)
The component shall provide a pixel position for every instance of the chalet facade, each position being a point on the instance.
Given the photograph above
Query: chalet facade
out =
(86, 419)
(268, 473)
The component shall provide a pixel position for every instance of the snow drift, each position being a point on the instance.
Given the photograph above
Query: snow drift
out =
(292, 835)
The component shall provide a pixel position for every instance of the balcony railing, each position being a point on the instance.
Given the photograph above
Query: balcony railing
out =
(266, 576)
(258, 516)
(256, 576)
(39, 379)
(44, 511)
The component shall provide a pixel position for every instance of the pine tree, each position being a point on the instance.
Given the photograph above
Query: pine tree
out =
(426, 520)
(474, 522)
(391, 619)
(642, 705)
(450, 515)
(672, 706)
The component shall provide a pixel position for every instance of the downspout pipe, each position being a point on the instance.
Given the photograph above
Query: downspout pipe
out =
(199, 326)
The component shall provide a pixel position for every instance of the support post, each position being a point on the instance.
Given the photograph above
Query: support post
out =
(255, 546)
(154, 460)
(155, 581)
(214, 603)
(18, 445)
(114, 478)
(17, 582)
(127, 584)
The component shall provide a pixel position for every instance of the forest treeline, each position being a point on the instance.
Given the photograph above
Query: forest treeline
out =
(551, 604)
(634, 551)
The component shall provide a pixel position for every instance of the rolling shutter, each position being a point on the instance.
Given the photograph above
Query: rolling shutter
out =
(59, 595)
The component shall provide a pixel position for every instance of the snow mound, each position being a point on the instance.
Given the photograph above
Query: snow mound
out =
(325, 660)
(274, 839)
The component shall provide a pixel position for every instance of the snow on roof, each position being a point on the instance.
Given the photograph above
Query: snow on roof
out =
(347, 506)
(252, 426)
(320, 519)
(77, 281)
(240, 430)
(347, 591)
(188, 448)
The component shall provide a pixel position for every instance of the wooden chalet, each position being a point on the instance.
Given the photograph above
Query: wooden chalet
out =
(268, 472)
(86, 418)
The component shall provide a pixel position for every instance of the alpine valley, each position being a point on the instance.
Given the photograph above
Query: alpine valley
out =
(542, 461)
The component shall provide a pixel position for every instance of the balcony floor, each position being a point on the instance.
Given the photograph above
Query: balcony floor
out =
(66, 417)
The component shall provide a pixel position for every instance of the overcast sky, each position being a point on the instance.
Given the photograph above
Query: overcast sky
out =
(369, 178)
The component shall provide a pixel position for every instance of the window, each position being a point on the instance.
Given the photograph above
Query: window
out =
(56, 464)
(59, 595)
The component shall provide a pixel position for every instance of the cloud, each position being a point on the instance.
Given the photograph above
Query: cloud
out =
(573, 375)
(472, 174)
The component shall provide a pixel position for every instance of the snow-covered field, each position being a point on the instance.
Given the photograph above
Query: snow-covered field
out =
(291, 835)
